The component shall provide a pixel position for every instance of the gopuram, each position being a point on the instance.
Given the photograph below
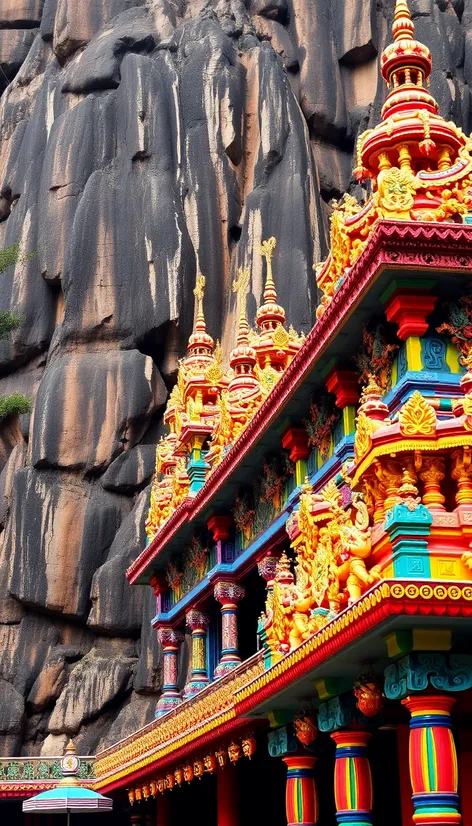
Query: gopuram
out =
(310, 520)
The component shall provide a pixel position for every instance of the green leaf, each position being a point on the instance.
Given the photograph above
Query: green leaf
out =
(14, 405)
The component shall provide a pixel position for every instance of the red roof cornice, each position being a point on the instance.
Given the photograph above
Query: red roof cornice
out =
(393, 244)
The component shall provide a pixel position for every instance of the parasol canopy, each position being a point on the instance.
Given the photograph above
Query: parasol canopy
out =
(68, 797)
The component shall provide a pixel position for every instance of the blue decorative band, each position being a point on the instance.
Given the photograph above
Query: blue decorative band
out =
(292, 774)
(351, 751)
(436, 799)
(359, 818)
(427, 720)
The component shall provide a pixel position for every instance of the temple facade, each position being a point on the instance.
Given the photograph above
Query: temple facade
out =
(310, 523)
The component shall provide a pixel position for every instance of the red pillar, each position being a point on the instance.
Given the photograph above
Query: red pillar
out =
(433, 761)
(301, 800)
(403, 748)
(227, 796)
(163, 817)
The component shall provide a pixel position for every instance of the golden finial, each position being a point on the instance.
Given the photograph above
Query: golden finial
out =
(70, 748)
(267, 250)
(403, 27)
(240, 287)
(199, 292)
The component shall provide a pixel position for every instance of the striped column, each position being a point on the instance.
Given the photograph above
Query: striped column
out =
(229, 594)
(433, 761)
(198, 624)
(352, 778)
(301, 800)
(170, 639)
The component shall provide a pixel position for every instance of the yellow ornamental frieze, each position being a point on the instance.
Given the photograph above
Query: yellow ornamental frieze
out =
(417, 417)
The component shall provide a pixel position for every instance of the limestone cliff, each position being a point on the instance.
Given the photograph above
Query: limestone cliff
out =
(141, 140)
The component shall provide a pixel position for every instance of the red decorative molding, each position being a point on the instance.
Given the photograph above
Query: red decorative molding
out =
(395, 245)
(409, 311)
(344, 384)
(295, 439)
(220, 526)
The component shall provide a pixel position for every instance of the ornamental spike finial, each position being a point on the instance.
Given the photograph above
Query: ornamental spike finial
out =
(403, 26)
(240, 287)
(199, 292)
(267, 250)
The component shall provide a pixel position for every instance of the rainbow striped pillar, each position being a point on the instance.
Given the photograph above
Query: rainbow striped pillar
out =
(433, 761)
(301, 800)
(352, 778)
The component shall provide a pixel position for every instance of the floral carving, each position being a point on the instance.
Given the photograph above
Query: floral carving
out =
(417, 417)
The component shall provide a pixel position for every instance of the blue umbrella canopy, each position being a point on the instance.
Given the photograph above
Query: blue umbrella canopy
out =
(68, 797)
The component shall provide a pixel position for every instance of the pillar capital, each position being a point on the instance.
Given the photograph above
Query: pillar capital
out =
(267, 566)
(169, 637)
(228, 592)
(351, 739)
(427, 705)
(197, 620)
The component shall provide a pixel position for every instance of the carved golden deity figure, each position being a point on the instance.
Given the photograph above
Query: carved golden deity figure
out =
(332, 545)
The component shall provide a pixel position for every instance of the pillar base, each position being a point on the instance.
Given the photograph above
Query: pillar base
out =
(225, 667)
(436, 809)
(194, 688)
(166, 704)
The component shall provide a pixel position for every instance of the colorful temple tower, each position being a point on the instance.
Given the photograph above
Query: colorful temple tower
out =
(310, 524)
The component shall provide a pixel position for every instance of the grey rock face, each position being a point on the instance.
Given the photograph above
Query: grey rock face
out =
(116, 607)
(12, 709)
(142, 141)
(92, 406)
(59, 528)
(94, 682)
(131, 470)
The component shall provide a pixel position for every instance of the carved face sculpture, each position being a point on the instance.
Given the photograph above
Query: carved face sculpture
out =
(131, 796)
(138, 793)
(146, 792)
(209, 762)
(153, 788)
(249, 746)
(188, 773)
(234, 752)
(170, 781)
(369, 698)
(222, 757)
(179, 776)
(198, 768)
(305, 730)
(161, 785)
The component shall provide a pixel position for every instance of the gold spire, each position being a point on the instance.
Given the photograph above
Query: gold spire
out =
(403, 27)
(240, 287)
(199, 292)
(267, 250)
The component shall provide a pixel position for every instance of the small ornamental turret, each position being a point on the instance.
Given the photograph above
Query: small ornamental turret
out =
(419, 165)
(274, 345)
(244, 395)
